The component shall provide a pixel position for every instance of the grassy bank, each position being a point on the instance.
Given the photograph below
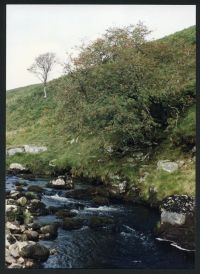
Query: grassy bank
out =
(31, 119)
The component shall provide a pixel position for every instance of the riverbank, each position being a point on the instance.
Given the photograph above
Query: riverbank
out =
(29, 199)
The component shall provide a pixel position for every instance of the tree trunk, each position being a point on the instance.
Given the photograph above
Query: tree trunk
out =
(45, 93)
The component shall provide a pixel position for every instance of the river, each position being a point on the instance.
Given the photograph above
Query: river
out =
(130, 245)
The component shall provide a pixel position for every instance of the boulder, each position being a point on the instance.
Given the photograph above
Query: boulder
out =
(29, 263)
(15, 195)
(177, 224)
(71, 223)
(35, 188)
(13, 151)
(9, 258)
(34, 149)
(21, 184)
(14, 228)
(172, 218)
(62, 213)
(36, 206)
(98, 200)
(35, 251)
(99, 221)
(22, 201)
(10, 202)
(16, 166)
(14, 250)
(62, 182)
(9, 239)
(12, 208)
(19, 188)
(167, 166)
(51, 230)
(53, 209)
(31, 195)
(32, 235)
(20, 260)
(34, 226)
(27, 216)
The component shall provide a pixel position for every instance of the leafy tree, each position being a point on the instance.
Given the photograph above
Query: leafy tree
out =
(128, 89)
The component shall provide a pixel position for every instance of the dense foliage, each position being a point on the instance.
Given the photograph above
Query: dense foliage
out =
(128, 89)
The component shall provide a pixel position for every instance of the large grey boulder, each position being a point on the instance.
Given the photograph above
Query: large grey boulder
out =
(167, 165)
(62, 182)
(17, 166)
(34, 149)
(13, 151)
(175, 208)
(25, 149)
(172, 218)
(178, 222)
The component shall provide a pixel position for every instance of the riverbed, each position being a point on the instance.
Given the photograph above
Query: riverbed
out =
(130, 244)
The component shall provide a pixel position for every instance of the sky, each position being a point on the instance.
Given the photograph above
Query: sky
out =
(36, 29)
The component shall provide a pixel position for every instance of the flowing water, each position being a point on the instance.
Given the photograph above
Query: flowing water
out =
(130, 245)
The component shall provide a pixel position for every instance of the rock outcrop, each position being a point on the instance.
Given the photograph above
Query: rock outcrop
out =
(177, 224)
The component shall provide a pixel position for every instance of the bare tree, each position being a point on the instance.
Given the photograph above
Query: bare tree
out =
(42, 66)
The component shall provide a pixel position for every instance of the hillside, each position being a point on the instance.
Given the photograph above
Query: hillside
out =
(102, 118)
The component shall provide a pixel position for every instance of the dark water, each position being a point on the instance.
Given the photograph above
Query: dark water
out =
(131, 245)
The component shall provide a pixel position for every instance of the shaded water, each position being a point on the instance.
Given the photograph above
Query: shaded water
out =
(130, 245)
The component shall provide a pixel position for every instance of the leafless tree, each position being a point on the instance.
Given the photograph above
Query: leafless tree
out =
(42, 66)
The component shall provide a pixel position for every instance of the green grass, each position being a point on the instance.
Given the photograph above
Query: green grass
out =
(31, 119)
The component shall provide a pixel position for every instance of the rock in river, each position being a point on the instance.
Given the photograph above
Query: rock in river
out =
(71, 223)
(62, 182)
(32, 235)
(35, 188)
(63, 213)
(35, 251)
(99, 221)
(51, 230)
(98, 200)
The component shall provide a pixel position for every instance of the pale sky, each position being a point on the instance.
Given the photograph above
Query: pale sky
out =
(37, 29)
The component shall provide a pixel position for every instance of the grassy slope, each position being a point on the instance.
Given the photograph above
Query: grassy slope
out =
(31, 119)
